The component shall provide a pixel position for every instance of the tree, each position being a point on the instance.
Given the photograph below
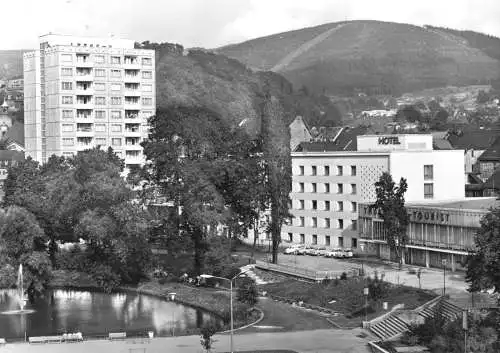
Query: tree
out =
(409, 113)
(207, 341)
(483, 266)
(275, 136)
(390, 205)
(247, 291)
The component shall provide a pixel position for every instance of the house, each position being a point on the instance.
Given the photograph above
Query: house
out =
(299, 132)
(489, 161)
(492, 186)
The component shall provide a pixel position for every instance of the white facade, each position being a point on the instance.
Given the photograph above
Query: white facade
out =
(329, 186)
(82, 92)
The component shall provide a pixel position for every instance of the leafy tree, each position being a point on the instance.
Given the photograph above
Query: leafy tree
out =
(483, 266)
(409, 113)
(275, 137)
(207, 341)
(390, 205)
(377, 288)
(247, 291)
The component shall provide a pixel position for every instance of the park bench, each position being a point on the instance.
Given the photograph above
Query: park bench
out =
(72, 337)
(2, 341)
(35, 339)
(117, 335)
(54, 339)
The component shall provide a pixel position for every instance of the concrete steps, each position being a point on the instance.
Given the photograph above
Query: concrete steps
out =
(389, 327)
(252, 275)
(449, 310)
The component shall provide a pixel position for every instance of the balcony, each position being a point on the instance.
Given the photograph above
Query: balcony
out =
(84, 89)
(84, 115)
(86, 104)
(131, 62)
(132, 92)
(132, 103)
(132, 76)
(84, 75)
(83, 61)
(83, 143)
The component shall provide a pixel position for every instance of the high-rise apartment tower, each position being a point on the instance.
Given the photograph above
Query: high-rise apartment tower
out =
(83, 92)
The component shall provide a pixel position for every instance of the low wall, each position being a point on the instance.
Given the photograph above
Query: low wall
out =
(304, 272)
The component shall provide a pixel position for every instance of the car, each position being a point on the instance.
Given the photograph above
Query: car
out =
(292, 250)
(321, 251)
(348, 253)
(301, 251)
(332, 253)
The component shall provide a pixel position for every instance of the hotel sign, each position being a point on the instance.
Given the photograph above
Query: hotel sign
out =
(389, 140)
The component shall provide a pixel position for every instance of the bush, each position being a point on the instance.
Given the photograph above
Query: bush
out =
(247, 292)
(74, 259)
(105, 278)
(343, 276)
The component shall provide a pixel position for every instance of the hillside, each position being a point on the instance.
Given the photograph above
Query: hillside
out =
(11, 63)
(370, 56)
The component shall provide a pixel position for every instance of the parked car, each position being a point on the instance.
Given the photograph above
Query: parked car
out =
(321, 251)
(292, 250)
(301, 250)
(310, 251)
(333, 253)
(348, 253)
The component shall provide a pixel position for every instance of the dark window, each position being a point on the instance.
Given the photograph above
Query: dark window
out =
(327, 205)
(314, 204)
(302, 238)
(354, 189)
(354, 224)
(341, 224)
(290, 237)
(340, 170)
(327, 170)
(327, 240)
(341, 242)
(315, 239)
(301, 187)
(314, 187)
(327, 222)
(340, 189)
(327, 188)
(354, 243)
(301, 170)
(353, 170)
(428, 172)
(314, 222)
(314, 170)
(301, 204)
(428, 190)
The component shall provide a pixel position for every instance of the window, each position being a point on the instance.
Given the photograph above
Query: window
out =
(147, 101)
(116, 114)
(327, 222)
(68, 142)
(99, 86)
(314, 187)
(428, 190)
(354, 243)
(116, 73)
(147, 88)
(147, 61)
(327, 240)
(290, 237)
(116, 100)
(341, 224)
(327, 205)
(315, 239)
(100, 100)
(100, 114)
(66, 58)
(353, 189)
(314, 204)
(353, 170)
(66, 71)
(116, 128)
(100, 127)
(301, 204)
(100, 73)
(301, 187)
(327, 170)
(115, 60)
(116, 87)
(428, 172)
(67, 100)
(327, 188)
(99, 59)
(100, 141)
(340, 170)
(301, 221)
(314, 222)
(340, 206)
(116, 141)
(341, 242)
(314, 170)
(67, 86)
(67, 113)
(354, 224)
(302, 238)
(67, 127)
(301, 170)
(354, 207)
(340, 189)
(147, 74)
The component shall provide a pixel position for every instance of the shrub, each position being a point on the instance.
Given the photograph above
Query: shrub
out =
(105, 278)
(247, 292)
(206, 337)
(343, 276)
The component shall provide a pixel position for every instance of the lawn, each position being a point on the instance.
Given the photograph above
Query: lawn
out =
(346, 296)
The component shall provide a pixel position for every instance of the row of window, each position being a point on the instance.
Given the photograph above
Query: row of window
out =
(115, 73)
(326, 188)
(147, 101)
(101, 114)
(326, 223)
(101, 86)
(98, 141)
(326, 170)
(327, 240)
(101, 59)
(327, 206)
(100, 127)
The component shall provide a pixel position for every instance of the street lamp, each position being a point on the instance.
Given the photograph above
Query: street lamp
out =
(444, 261)
(362, 246)
(230, 296)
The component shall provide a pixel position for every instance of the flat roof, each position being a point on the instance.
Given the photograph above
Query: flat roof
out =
(471, 203)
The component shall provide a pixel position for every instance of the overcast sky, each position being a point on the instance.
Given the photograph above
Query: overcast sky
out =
(213, 23)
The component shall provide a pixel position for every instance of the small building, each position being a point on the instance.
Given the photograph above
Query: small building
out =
(489, 161)
(437, 231)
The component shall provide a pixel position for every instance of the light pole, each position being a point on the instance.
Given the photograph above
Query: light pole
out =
(362, 246)
(230, 298)
(444, 261)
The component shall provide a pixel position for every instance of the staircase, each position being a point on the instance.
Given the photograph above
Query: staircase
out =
(448, 310)
(252, 275)
(389, 327)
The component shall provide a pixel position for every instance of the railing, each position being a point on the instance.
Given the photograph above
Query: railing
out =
(302, 272)
(376, 349)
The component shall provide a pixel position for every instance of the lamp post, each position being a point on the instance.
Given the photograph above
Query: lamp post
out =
(362, 246)
(230, 298)
(366, 292)
(444, 261)
(172, 298)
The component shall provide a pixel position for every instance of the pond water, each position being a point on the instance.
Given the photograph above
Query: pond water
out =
(96, 313)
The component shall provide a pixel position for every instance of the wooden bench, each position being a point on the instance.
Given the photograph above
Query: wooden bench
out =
(117, 335)
(35, 339)
(72, 337)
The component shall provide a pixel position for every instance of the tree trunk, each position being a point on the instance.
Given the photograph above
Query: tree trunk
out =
(275, 232)
(255, 234)
(53, 251)
(199, 250)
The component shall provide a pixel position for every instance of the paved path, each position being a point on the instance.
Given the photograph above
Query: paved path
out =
(317, 341)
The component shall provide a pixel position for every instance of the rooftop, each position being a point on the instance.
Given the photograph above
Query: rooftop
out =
(492, 153)
(473, 139)
(470, 203)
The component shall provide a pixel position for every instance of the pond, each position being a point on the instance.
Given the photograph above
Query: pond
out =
(97, 314)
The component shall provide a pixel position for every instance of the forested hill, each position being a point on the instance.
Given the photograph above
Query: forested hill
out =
(373, 57)
(228, 87)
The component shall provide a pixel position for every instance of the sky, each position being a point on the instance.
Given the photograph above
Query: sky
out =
(214, 23)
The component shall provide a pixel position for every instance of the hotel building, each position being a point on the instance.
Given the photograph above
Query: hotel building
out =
(82, 92)
(329, 186)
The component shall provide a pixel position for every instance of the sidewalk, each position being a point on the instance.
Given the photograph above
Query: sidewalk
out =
(317, 341)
